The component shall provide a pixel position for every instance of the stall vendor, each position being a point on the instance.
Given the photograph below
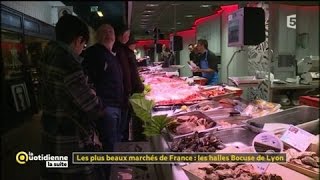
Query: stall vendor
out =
(208, 63)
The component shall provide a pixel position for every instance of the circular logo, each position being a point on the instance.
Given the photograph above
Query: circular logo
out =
(267, 143)
(22, 157)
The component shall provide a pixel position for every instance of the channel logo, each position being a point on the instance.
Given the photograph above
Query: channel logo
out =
(22, 157)
(51, 161)
(292, 21)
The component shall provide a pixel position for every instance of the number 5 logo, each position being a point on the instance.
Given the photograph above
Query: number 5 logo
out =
(291, 21)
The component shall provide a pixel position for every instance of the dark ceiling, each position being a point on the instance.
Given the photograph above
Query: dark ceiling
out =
(113, 11)
(169, 16)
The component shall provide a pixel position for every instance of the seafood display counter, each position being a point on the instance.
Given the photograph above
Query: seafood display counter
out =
(215, 119)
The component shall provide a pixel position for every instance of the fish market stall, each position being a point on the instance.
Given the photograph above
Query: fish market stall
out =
(181, 116)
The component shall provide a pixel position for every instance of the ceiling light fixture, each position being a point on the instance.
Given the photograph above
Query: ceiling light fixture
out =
(152, 5)
(175, 4)
(188, 16)
(148, 11)
(145, 20)
(100, 14)
(178, 23)
(147, 15)
(205, 5)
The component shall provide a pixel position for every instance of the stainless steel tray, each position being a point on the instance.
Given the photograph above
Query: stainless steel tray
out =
(194, 113)
(294, 116)
(245, 80)
(239, 137)
(235, 121)
(213, 104)
(219, 113)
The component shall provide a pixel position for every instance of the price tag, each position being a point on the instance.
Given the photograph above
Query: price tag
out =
(297, 138)
(262, 167)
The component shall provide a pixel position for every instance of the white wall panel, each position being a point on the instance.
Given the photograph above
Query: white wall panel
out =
(210, 30)
(188, 37)
(308, 24)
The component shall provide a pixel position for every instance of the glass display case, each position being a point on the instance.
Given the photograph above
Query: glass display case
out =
(20, 55)
(12, 54)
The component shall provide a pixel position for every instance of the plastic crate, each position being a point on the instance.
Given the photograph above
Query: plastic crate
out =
(309, 101)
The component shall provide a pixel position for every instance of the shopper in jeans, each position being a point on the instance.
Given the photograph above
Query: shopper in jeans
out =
(122, 50)
(70, 107)
(137, 87)
(104, 71)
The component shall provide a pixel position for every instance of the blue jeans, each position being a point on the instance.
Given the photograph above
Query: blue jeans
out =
(109, 128)
(110, 132)
(125, 120)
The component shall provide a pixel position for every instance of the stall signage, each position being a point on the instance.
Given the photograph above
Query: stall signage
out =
(297, 138)
(262, 167)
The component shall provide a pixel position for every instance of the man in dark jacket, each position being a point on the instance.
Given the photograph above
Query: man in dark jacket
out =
(137, 87)
(194, 57)
(70, 106)
(129, 74)
(105, 72)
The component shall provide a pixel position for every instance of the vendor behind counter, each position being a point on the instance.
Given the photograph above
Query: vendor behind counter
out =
(208, 62)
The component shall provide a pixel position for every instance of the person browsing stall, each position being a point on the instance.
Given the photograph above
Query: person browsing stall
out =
(128, 73)
(208, 63)
(104, 71)
(70, 107)
(137, 87)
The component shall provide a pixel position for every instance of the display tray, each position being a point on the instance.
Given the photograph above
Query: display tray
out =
(238, 137)
(245, 80)
(167, 108)
(302, 161)
(220, 113)
(302, 170)
(194, 173)
(205, 106)
(227, 94)
(195, 143)
(198, 114)
(294, 116)
(181, 102)
(231, 122)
